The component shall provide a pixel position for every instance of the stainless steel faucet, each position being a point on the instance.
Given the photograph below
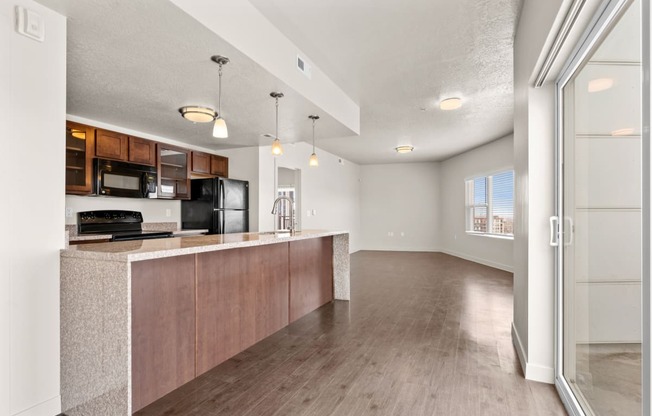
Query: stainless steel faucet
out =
(291, 202)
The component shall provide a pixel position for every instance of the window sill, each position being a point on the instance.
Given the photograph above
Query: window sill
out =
(497, 236)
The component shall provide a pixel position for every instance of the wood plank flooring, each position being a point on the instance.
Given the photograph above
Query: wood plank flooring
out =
(423, 334)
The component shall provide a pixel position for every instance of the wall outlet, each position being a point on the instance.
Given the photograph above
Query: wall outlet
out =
(309, 213)
(402, 234)
(314, 212)
(69, 212)
(390, 233)
(168, 212)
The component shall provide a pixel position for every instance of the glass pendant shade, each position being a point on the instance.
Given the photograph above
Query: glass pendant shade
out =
(313, 160)
(220, 130)
(277, 150)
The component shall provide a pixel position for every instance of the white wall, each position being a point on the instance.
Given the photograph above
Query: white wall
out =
(400, 199)
(32, 112)
(332, 189)
(534, 135)
(490, 158)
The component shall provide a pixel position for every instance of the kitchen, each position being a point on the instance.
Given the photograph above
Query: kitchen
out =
(353, 210)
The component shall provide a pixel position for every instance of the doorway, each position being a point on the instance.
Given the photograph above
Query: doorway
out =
(289, 184)
(599, 216)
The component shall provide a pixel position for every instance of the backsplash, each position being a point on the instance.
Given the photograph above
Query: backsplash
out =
(153, 210)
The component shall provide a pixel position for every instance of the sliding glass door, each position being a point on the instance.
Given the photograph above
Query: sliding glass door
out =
(599, 283)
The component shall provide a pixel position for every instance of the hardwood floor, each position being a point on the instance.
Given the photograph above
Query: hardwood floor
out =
(424, 334)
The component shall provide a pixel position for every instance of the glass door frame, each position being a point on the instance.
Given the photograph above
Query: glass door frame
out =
(608, 12)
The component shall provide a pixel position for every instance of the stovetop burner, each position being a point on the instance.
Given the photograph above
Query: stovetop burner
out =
(122, 225)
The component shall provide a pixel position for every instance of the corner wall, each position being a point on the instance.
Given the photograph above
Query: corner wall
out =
(534, 135)
(32, 116)
(484, 160)
(400, 206)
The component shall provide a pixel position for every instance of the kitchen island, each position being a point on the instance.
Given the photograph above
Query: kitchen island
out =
(141, 318)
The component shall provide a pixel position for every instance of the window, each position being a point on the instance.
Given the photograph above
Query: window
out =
(490, 204)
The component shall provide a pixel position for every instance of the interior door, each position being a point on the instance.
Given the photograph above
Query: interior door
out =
(599, 214)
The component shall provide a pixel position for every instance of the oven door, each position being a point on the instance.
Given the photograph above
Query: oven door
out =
(113, 178)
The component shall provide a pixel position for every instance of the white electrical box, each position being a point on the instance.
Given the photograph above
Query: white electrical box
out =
(30, 24)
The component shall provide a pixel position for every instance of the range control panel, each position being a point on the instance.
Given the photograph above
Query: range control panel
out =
(109, 217)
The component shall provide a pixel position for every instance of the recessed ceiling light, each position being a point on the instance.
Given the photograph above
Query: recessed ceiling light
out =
(198, 114)
(450, 103)
(404, 149)
(600, 84)
(623, 132)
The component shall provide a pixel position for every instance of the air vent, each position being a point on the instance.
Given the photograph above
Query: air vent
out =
(304, 67)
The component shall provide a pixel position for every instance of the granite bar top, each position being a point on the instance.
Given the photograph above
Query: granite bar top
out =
(128, 251)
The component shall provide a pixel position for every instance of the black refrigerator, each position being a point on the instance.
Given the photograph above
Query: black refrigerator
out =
(217, 204)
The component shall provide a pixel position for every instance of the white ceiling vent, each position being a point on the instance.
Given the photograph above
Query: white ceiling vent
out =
(304, 67)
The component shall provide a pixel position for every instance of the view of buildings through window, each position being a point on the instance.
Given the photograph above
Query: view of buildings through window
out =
(490, 204)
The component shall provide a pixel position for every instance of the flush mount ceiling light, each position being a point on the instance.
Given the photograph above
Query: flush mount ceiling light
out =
(198, 114)
(277, 150)
(404, 149)
(219, 128)
(600, 84)
(450, 103)
(313, 157)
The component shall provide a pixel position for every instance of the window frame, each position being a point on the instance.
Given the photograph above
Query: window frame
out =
(470, 206)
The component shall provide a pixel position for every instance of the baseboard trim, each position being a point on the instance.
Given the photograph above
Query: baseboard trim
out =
(485, 262)
(409, 249)
(47, 408)
(534, 372)
(520, 351)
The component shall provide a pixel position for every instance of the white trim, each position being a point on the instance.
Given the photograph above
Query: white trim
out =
(49, 407)
(491, 235)
(490, 263)
(534, 372)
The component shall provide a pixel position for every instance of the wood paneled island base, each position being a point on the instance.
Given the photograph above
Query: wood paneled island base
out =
(139, 323)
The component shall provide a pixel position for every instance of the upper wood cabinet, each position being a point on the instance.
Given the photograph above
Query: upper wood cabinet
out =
(111, 145)
(201, 162)
(220, 166)
(142, 151)
(79, 158)
(173, 165)
(118, 146)
(210, 165)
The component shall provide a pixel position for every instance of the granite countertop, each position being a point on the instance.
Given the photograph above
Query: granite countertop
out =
(127, 251)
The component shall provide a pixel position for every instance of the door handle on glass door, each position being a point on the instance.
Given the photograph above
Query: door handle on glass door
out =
(571, 231)
(554, 231)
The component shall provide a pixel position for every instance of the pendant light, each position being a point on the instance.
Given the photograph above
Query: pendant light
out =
(219, 128)
(277, 150)
(313, 157)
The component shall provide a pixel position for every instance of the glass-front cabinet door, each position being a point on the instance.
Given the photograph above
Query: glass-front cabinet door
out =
(599, 213)
(79, 158)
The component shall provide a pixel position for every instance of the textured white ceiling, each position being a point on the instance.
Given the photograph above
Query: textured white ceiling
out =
(396, 58)
(134, 63)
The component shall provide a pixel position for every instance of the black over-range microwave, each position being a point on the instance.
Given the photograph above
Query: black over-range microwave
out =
(131, 180)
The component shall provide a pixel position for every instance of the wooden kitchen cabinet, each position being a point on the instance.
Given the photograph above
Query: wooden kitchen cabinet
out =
(162, 327)
(201, 163)
(220, 166)
(242, 297)
(111, 145)
(142, 151)
(173, 164)
(210, 165)
(80, 147)
(311, 275)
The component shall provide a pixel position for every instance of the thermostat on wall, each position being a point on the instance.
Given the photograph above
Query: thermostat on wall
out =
(30, 24)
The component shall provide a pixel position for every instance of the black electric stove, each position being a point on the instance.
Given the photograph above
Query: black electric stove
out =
(122, 225)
